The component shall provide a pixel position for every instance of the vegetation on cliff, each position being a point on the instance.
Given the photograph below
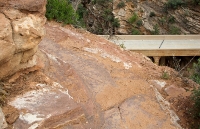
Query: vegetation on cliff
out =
(196, 95)
(61, 11)
(99, 16)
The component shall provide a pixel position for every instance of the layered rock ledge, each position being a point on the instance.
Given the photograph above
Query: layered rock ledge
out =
(21, 30)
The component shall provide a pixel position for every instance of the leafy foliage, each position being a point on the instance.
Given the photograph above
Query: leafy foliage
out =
(196, 74)
(174, 4)
(122, 46)
(98, 16)
(61, 11)
(139, 22)
(171, 19)
(81, 12)
(196, 94)
(162, 20)
(174, 30)
(121, 4)
(165, 75)
(197, 2)
(135, 32)
(196, 99)
(116, 23)
(156, 30)
(133, 18)
(195, 111)
(152, 14)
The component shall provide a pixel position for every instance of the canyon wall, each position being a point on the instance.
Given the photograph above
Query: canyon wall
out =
(151, 14)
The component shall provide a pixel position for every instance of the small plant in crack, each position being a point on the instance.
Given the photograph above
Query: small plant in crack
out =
(165, 75)
(122, 46)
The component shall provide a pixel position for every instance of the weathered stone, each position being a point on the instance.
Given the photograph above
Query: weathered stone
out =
(174, 91)
(21, 30)
(28, 32)
(8, 67)
(29, 5)
(122, 13)
(158, 84)
(28, 54)
(3, 123)
(7, 48)
(5, 30)
(13, 14)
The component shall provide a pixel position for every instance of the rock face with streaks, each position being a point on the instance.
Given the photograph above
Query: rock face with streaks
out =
(21, 30)
(84, 82)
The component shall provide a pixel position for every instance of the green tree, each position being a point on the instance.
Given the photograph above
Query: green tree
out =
(174, 4)
(156, 30)
(61, 11)
(196, 72)
(135, 32)
(174, 30)
(133, 18)
(121, 4)
(197, 2)
(116, 23)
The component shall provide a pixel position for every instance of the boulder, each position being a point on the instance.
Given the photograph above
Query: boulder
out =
(21, 30)
(27, 5)
(7, 46)
(3, 123)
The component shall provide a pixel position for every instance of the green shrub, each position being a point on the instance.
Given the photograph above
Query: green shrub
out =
(156, 30)
(197, 2)
(196, 93)
(135, 32)
(152, 14)
(174, 30)
(116, 23)
(174, 4)
(121, 4)
(171, 19)
(165, 75)
(139, 23)
(100, 1)
(107, 15)
(122, 46)
(133, 18)
(195, 110)
(61, 11)
(81, 12)
(196, 72)
(196, 98)
(162, 20)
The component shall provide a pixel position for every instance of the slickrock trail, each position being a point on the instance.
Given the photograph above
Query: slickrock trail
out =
(71, 79)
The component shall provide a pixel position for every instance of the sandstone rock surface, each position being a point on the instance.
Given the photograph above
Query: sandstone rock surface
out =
(21, 29)
(83, 81)
(3, 123)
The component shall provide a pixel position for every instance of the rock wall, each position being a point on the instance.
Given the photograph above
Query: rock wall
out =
(21, 29)
(184, 19)
(123, 14)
